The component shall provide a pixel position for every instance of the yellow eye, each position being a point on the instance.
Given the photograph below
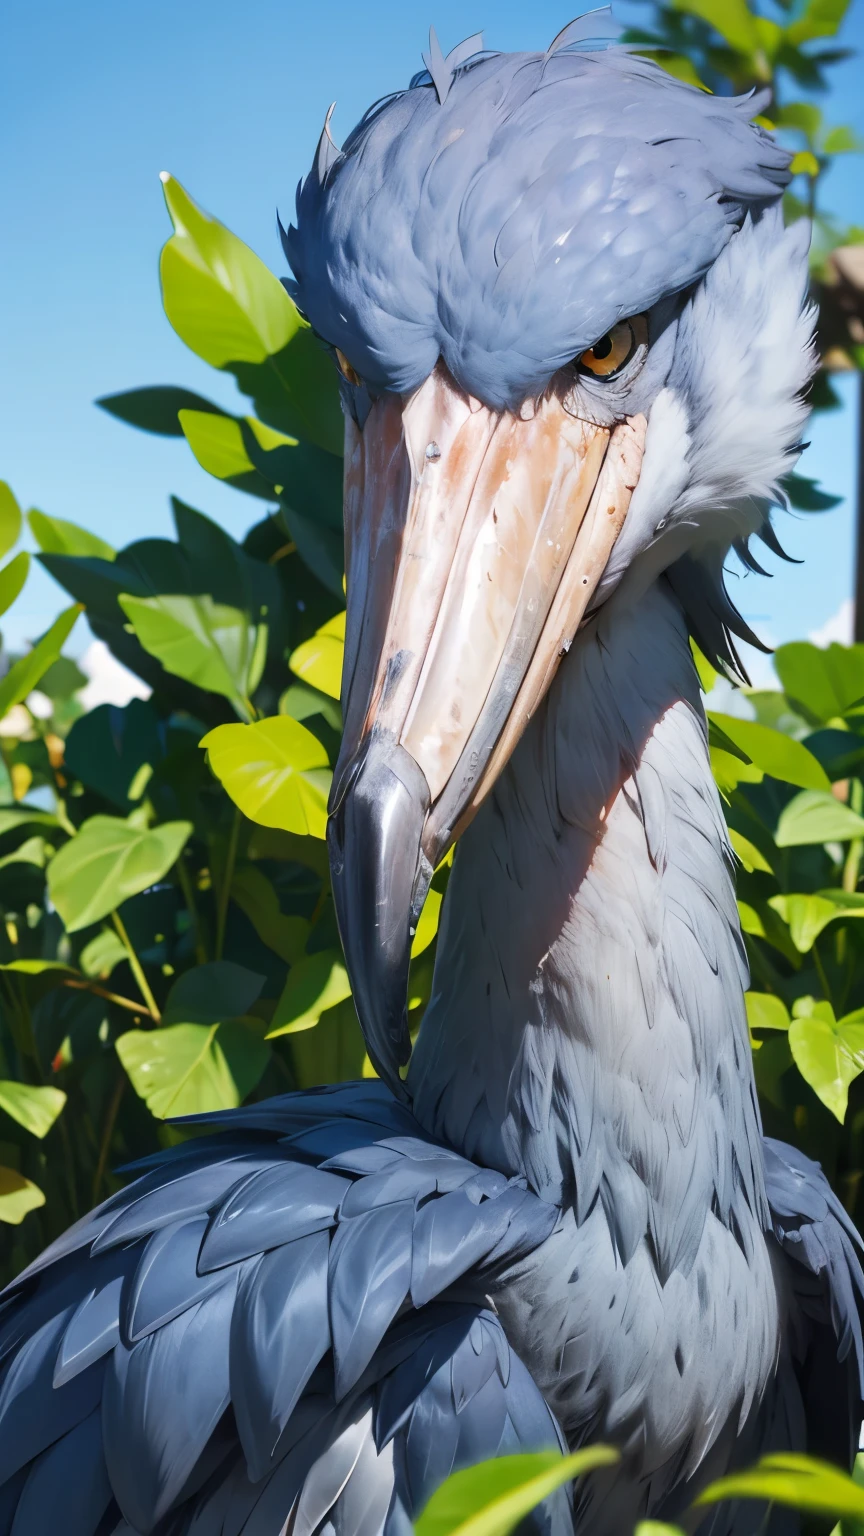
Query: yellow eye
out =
(613, 350)
(345, 368)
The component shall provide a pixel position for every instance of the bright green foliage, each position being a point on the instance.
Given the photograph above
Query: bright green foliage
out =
(10, 518)
(18, 1196)
(208, 644)
(24, 675)
(319, 660)
(189, 1069)
(275, 772)
(800, 1482)
(315, 984)
(828, 1052)
(108, 862)
(34, 1108)
(57, 537)
(12, 579)
(491, 1498)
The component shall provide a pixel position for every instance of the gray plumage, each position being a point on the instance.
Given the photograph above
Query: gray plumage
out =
(573, 1230)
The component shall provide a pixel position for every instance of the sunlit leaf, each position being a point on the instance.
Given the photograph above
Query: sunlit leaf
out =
(821, 18)
(800, 1482)
(427, 927)
(729, 771)
(764, 1011)
(275, 771)
(491, 1498)
(733, 19)
(217, 443)
(319, 660)
(10, 519)
(57, 537)
(219, 296)
(24, 675)
(314, 984)
(35, 1108)
(12, 579)
(815, 816)
(829, 1053)
(99, 957)
(774, 753)
(804, 164)
(107, 862)
(822, 682)
(799, 114)
(18, 1196)
(806, 916)
(748, 853)
(189, 1069)
(842, 141)
(212, 645)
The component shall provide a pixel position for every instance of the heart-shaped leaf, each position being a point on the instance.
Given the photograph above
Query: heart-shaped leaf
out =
(190, 1069)
(314, 984)
(319, 660)
(212, 645)
(829, 1053)
(275, 771)
(33, 1107)
(18, 1196)
(107, 862)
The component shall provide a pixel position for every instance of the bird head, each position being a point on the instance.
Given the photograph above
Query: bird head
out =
(572, 338)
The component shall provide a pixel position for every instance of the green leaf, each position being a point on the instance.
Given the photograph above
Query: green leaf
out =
(491, 1498)
(842, 141)
(24, 675)
(102, 954)
(774, 753)
(190, 1069)
(806, 495)
(108, 747)
(302, 703)
(212, 993)
(254, 894)
(209, 644)
(314, 984)
(10, 519)
(764, 1011)
(156, 408)
(748, 853)
(823, 683)
(815, 816)
(34, 1108)
(828, 1053)
(57, 537)
(33, 851)
(427, 927)
(12, 579)
(107, 862)
(219, 296)
(218, 445)
(708, 675)
(275, 771)
(799, 114)
(729, 770)
(731, 18)
(17, 1196)
(319, 661)
(25, 817)
(656, 1528)
(801, 1482)
(804, 164)
(821, 18)
(806, 916)
(36, 967)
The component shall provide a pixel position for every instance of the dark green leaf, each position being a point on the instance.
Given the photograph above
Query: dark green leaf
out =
(107, 748)
(212, 993)
(154, 409)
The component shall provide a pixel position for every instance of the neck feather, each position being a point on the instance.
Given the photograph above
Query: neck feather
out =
(587, 1025)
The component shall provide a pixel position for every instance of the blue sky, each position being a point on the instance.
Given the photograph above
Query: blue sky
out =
(98, 98)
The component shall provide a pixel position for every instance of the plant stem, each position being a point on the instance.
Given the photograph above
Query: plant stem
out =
(107, 1133)
(225, 885)
(820, 971)
(137, 968)
(112, 997)
(192, 908)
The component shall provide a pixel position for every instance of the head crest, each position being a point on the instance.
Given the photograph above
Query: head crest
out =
(443, 69)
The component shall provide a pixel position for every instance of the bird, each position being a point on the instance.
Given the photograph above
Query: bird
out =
(573, 343)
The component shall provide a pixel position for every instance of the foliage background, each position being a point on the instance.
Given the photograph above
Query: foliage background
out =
(167, 939)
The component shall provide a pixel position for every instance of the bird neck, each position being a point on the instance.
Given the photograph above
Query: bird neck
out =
(587, 1024)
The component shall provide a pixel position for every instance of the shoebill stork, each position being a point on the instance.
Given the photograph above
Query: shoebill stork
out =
(573, 338)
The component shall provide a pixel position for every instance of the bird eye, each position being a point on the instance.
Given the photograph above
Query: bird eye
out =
(612, 351)
(345, 368)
